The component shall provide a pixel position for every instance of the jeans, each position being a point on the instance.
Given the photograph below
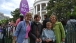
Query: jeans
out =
(25, 41)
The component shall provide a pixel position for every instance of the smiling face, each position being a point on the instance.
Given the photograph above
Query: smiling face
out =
(37, 18)
(48, 25)
(27, 17)
(53, 18)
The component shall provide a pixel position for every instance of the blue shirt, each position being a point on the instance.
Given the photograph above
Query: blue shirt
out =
(48, 34)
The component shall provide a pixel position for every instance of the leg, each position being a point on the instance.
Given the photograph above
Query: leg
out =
(25, 41)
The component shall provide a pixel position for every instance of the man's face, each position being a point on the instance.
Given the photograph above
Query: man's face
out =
(44, 16)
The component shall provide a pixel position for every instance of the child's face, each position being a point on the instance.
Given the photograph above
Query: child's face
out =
(37, 19)
(49, 26)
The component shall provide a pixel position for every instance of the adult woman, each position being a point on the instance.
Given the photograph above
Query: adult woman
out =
(22, 30)
(58, 29)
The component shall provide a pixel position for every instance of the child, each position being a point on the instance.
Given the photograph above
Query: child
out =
(47, 34)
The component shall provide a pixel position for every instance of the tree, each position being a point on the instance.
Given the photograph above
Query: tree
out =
(15, 14)
(74, 12)
(61, 8)
(4, 21)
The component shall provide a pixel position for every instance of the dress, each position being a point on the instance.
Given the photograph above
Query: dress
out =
(58, 31)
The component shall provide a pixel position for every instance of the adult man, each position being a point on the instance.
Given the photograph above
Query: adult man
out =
(45, 21)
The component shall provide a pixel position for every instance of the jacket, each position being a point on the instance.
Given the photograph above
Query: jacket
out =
(20, 31)
(44, 22)
(33, 33)
(59, 31)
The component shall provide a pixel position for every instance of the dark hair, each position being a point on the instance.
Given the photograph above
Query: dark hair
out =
(71, 17)
(45, 16)
(64, 22)
(37, 15)
(0, 24)
(21, 18)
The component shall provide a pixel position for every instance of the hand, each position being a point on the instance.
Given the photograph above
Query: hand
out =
(63, 39)
(37, 40)
(40, 39)
(48, 40)
(14, 38)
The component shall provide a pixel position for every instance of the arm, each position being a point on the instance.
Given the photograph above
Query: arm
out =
(43, 36)
(62, 30)
(41, 31)
(17, 29)
(53, 37)
(31, 34)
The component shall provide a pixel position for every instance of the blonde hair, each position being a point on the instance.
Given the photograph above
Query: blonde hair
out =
(28, 14)
(48, 23)
(54, 16)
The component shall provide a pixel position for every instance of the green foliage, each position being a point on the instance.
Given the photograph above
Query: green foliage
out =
(62, 8)
(15, 14)
(3, 21)
(74, 12)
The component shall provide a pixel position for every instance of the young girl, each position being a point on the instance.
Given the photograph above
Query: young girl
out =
(48, 34)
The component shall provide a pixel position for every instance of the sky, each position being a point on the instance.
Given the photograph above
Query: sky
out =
(6, 6)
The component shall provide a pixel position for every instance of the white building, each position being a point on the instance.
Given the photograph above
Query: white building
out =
(39, 7)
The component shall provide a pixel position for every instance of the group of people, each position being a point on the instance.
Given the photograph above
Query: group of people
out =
(2, 33)
(50, 31)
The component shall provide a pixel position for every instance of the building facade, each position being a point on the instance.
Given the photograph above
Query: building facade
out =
(39, 7)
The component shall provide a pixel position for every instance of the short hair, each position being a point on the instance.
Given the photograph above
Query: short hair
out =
(0, 24)
(21, 18)
(48, 23)
(71, 17)
(28, 14)
(45, 15)
(36, 15)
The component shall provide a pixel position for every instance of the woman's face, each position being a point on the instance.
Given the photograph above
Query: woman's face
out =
(27, 18)
(53, 19)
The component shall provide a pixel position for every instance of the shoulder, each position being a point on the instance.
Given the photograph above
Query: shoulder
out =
(21, 22)
(58, 22)
(32, 23)
(45, 29)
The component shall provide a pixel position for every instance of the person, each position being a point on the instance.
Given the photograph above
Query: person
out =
(48, 34)
(19, 19)
(2, 33)
(58, 29)
(45, 21)
(71, 20)
(36, 30)
(22, 29)
(71, 29)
